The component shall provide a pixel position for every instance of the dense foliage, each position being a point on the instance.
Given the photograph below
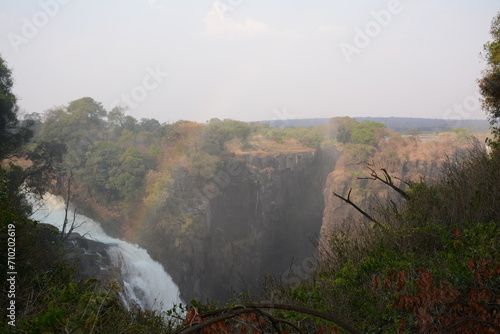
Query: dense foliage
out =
(433, 268)
(12, 134)
(489, 84)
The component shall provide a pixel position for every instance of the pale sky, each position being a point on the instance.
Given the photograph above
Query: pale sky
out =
(250, 59)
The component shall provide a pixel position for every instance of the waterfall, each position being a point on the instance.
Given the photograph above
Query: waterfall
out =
(146, 284)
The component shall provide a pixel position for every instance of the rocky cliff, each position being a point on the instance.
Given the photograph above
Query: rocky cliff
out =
(404, 160)
(90, 257)
(260, 212)
(255, 217)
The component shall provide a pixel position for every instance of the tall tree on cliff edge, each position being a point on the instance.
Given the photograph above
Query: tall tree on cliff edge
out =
(489, 84)
(12, 134)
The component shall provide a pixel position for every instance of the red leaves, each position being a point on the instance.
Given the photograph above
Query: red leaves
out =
(402, 325)
(249, 323)
(437, 307)
(192, 316)
(400, 281)
(470, 264)
(389, 279)
(330, 330)
(425, 281)
(217, 328)
(375, 282)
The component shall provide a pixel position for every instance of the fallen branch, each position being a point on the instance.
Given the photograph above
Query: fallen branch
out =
(227, 313)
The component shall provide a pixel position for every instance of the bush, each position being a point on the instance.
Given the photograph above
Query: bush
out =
(205, 164)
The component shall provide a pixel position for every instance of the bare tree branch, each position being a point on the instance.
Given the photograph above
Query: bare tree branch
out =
(348, 201)
(214, 320)
(68, 197)
(271, 318)
(252, 308)
(387, 179)
(73, 225)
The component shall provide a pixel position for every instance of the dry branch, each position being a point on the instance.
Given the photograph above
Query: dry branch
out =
(348, 201)
(227, 313)
(387, 179)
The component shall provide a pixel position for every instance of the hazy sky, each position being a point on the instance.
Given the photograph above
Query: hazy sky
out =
(250, 59)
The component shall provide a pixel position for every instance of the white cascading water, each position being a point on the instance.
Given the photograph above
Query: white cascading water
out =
(146, 283)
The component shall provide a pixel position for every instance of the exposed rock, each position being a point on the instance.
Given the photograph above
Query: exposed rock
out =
(256, 218)
(91, 259)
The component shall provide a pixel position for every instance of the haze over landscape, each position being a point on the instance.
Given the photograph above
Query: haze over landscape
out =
(249, 60)
(232, 166)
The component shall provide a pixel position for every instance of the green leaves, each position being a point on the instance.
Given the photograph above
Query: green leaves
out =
(12, 135)
(489, 84)
(109, 170)
(367, 133)
(348, 130)
(218, 132)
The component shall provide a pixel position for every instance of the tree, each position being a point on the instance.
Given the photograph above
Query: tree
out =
(149, 124)
(128, 174)
(12, 134)
(47, 160)
(489, 84)
(216, 134)
(113, 173)
(344, 126)
(238, 129)
(116, 119)
(78, 125)
(99, 162)
(367, 133)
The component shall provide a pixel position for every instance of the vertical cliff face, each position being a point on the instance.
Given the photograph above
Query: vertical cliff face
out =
(255, 218)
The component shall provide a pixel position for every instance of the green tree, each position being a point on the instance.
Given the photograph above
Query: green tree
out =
(310, 137)
(12, 134)
(78, 125)
(489, 84)
(100, 161)
(239, 129)
(47, 161)
(216, 134)
(149, 124)
(344, 126)
(128, 174)
(116, 119)
(112, 172)
(130, 124)
(367, 133)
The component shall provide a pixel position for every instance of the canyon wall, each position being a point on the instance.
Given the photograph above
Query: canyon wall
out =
(404, 161)
(254, 218)
(261, 213)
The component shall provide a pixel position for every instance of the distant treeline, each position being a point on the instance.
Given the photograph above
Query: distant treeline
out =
(397, 124)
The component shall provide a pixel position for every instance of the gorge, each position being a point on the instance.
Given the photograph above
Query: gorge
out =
(225, 204)
(262, 213)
